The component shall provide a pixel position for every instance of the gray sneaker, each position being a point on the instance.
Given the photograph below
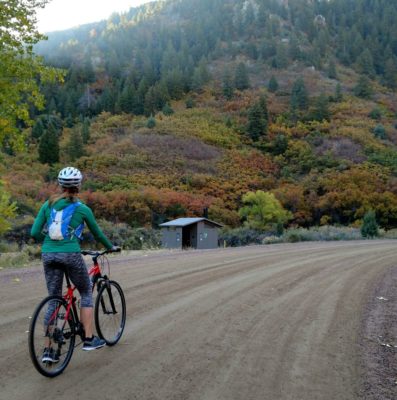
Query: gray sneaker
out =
(50, 355)
(93, 344)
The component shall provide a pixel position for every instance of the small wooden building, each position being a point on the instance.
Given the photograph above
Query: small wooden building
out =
(198, 233)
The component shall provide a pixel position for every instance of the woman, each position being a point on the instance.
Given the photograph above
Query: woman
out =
(62, 249)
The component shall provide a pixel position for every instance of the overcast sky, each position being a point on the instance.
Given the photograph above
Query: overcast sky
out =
(64, 14)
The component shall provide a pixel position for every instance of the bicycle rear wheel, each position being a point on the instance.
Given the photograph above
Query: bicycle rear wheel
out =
(51, 337)
(110, 312)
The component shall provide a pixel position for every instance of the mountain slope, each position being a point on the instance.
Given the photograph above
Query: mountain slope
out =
(192, 104)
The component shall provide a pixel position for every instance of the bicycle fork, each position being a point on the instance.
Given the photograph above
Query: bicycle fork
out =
(112, 309)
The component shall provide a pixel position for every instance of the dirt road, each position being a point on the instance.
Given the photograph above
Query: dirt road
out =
(266, 322)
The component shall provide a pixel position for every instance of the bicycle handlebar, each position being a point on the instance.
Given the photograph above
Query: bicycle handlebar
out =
(96, 253)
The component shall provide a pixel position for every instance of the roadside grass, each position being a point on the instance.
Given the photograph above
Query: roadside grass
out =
(245, 236)
(11, 257)
(13, 260)
(321, 233)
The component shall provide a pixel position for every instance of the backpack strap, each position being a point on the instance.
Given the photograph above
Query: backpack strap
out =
(78, 231)
(68, 211)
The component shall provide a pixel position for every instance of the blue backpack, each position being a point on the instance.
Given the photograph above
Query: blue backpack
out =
(59, 227)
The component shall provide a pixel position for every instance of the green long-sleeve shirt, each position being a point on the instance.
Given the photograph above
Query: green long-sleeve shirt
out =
(82, 214)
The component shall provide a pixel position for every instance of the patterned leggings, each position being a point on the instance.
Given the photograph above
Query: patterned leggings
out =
(54, 263)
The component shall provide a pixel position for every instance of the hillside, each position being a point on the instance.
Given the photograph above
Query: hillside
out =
(182, 105)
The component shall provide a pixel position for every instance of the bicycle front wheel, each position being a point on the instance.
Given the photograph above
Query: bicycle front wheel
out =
(51, 336)
(110, 312)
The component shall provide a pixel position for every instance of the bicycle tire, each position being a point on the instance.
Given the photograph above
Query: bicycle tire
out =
(110, 312)
(48, 324)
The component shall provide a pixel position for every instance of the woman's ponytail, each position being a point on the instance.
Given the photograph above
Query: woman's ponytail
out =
(68, 193)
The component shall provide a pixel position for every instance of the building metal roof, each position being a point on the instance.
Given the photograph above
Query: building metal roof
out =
(181, 222)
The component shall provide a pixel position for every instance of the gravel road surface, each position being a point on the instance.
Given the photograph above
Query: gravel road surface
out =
(305, 321)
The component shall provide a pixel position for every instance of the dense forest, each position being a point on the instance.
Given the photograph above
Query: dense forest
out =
(237, 107)
(139, 61)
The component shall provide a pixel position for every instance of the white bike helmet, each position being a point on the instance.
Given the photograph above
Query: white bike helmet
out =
(70, 177)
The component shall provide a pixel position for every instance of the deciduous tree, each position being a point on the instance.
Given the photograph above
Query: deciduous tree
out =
(20, 69)
(263, 211)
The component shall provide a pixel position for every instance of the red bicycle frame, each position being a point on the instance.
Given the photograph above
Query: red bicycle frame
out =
(93, 272)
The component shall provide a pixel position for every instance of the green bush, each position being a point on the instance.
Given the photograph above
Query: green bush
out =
(322, 233)
(380, 132)
(190, 103)
(151, 122)
(11, 256)
(13, 260)
(32, 251)
(370, 228)
(241, 237)
(390, 234)
(167, 110)
(8, 247)
(245, 236)
(375, 114)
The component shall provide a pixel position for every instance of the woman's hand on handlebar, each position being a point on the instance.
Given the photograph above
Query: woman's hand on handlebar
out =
(115, 249)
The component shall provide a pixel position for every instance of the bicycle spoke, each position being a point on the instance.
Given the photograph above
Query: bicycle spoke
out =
(51, 337)
(110, 312)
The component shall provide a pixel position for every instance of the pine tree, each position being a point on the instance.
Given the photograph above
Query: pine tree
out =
(380, 132)
(85, 130)
(75, 147)
(251, 50)
(197, 81)
(249, 17)
(293, 49)
(273, 84)
(257, 122)
(241, 80)
(127, 99)
(49, 146)
(38, 129)
(107, 100)
(321, 109)
(52, 106)
(263, 106)
(363, 88)
(365, 63)
(332, 69)
(150, 102)
(338, 93)
(299, 97)
(390, 75)
(167, 110)
(227, 85)
(201, 76)
(281, 59)
(279, 145)
(370, 228)
(151, 122)
(174, 81)
(69, 122)
(88, 74)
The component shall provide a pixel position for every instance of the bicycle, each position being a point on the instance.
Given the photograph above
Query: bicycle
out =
(55, 323)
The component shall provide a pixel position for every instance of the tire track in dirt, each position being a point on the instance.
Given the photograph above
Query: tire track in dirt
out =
(274, 322)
